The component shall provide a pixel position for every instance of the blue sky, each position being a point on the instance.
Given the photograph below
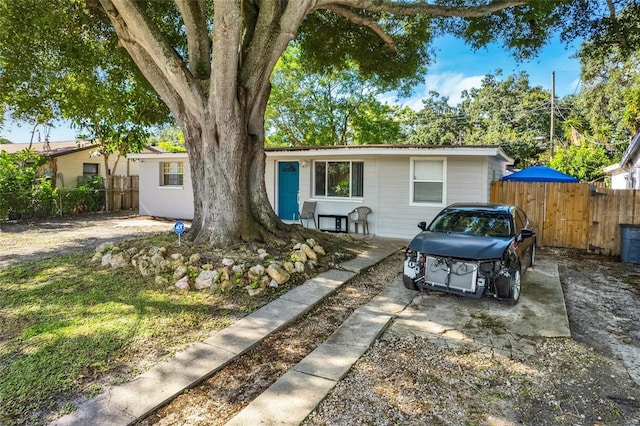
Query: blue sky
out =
(455, 69)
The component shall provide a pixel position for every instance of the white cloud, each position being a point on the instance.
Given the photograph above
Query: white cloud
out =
(447, 84)
(451, 85)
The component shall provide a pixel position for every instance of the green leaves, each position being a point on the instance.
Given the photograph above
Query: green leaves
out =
(58, 60)
(330, 107)
(21, 185)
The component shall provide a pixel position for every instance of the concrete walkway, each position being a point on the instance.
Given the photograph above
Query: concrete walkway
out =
(296, 394)
(541, 312)
(126, 403)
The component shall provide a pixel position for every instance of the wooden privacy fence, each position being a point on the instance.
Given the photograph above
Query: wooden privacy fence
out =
(573, 215)
(122, 192)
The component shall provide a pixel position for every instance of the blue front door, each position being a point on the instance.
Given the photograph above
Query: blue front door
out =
(288, 186)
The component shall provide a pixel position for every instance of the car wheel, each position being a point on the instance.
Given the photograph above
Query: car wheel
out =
(514, 285)
(409, 283)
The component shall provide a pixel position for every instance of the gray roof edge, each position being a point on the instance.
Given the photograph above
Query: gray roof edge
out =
(631, 150)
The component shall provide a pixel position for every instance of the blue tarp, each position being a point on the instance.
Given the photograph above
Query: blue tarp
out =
(539, 174)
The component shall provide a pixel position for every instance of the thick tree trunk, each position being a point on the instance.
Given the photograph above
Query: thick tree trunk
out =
(227, 166)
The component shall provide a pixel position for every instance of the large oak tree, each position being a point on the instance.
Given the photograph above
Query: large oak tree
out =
(210, 61)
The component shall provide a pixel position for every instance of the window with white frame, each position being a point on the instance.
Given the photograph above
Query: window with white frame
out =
(340, 179)
(172, 173)
(428, 183)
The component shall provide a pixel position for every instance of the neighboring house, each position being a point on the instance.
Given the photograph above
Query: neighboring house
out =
(402, 184)
(626, 173)
(71, 160)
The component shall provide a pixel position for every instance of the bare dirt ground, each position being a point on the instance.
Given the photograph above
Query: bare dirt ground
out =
(32, 240)
(592, 378)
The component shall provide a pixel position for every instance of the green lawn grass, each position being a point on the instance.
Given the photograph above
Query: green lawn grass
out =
(66, 321)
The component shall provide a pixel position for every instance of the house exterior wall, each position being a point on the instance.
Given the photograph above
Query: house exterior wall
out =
(465, 182)
(164, 201)
(69, 167)
(387, 185)
(624, 178)
(325, 206)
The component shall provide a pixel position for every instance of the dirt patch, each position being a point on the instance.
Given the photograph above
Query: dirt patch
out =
(33, 240)
(602, 297)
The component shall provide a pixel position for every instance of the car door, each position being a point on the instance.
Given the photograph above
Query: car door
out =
(525, 245)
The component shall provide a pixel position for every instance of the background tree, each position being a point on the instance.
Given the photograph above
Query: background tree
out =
(210, 62)
(69, 67)
(585, 161)
(509, 113)
(438, 123)
(332, 107)
(168, 138)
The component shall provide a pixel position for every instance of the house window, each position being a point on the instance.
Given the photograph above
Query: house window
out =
(172, 174)
(343, 179)
(428, 181)
(89, 169)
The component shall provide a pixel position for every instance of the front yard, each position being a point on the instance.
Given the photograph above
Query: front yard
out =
(70, 327)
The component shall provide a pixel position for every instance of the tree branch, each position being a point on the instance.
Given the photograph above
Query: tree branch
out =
(227, 33)
(364, 21)
(158, 61)
(276, 26)
(195, 21)
(421, 8)
(622, 40)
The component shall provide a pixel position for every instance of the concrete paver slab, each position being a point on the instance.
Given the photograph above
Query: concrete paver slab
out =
(379, 250)
(96, 412)
(360, 329)
(168, 379)
(540, 312)
(393, 298)
(330, 361)
(245, 333)
(286, 402)
(319, 287)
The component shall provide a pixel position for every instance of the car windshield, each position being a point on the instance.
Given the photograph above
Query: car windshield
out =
(489, 224)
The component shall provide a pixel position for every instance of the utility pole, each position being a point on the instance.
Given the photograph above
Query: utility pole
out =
(553, 97)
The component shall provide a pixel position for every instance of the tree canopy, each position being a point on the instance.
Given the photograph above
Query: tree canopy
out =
(506, 112)
(330, 107)
(210, 62)
(66, 64)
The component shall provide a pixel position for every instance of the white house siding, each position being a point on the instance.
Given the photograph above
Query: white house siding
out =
(387, 183)
(465, 182)
(624, 178)
(170, 202)
(325, 205)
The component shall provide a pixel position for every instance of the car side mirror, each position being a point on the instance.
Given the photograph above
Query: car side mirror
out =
(422, 225)
(526, 233)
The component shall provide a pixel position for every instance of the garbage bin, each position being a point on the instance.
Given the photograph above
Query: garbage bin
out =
(630, 243)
